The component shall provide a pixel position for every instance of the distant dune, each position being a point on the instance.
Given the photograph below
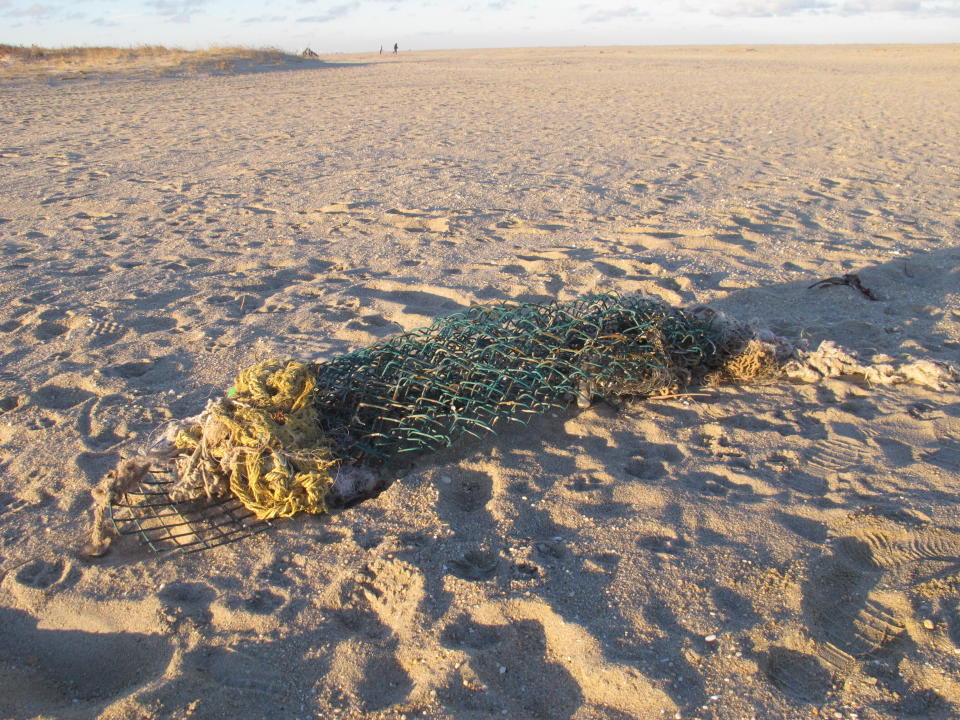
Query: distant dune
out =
(20, 61)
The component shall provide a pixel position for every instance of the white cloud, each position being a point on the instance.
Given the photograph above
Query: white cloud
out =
(35, 11)
(104, 21)
(912, 7)
(865, 6)
(179, 11)
(337, 11)
(624, 11)
(787, 8)
(772, 8)
(264, 19)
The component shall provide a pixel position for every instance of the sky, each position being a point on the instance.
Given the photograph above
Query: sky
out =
(329, 26)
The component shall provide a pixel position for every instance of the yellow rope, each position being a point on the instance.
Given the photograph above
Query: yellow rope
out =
(263, 442)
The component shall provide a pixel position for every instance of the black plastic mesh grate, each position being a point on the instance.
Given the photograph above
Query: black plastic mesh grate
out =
(164, 525)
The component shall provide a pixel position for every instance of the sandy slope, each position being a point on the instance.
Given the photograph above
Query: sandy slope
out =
(752, 552)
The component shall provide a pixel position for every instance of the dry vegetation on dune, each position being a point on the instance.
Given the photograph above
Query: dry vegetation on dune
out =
(19, 60)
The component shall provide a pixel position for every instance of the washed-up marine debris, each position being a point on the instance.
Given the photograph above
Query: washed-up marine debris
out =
(851, 279)
(292, 437)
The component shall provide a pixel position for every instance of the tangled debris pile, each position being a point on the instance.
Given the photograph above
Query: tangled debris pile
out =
(294, 437)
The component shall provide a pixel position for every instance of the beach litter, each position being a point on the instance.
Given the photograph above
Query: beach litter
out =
(293, 437)
(851, 279)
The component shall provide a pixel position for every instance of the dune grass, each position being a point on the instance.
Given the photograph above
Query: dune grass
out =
(79, 61)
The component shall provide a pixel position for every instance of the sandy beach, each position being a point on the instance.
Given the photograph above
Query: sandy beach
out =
(768, 551)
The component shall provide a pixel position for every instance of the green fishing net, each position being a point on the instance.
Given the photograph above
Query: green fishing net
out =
(480, 370)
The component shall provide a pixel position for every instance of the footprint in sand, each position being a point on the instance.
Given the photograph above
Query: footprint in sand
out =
(45, 574)
(471, 492)
(393, 590)
(836, 454)
(646, 469)
(871, 609)
(524, 660)
(797, 674)
(46, 331)
(476, 565)
(187, 600)
(652, 463)
(582, 483)
(9, 403)
(512, 225)
(58, 397)
(97, 333)
(416, 220)
(248, 671)
(339, 208)
(370, 678)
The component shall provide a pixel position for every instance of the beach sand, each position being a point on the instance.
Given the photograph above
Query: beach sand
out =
(771, 551)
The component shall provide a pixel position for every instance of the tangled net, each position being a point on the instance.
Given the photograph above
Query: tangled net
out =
(294, 437)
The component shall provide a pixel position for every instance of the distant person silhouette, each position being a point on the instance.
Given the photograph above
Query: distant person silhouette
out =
(381, 49)
(395, 48)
